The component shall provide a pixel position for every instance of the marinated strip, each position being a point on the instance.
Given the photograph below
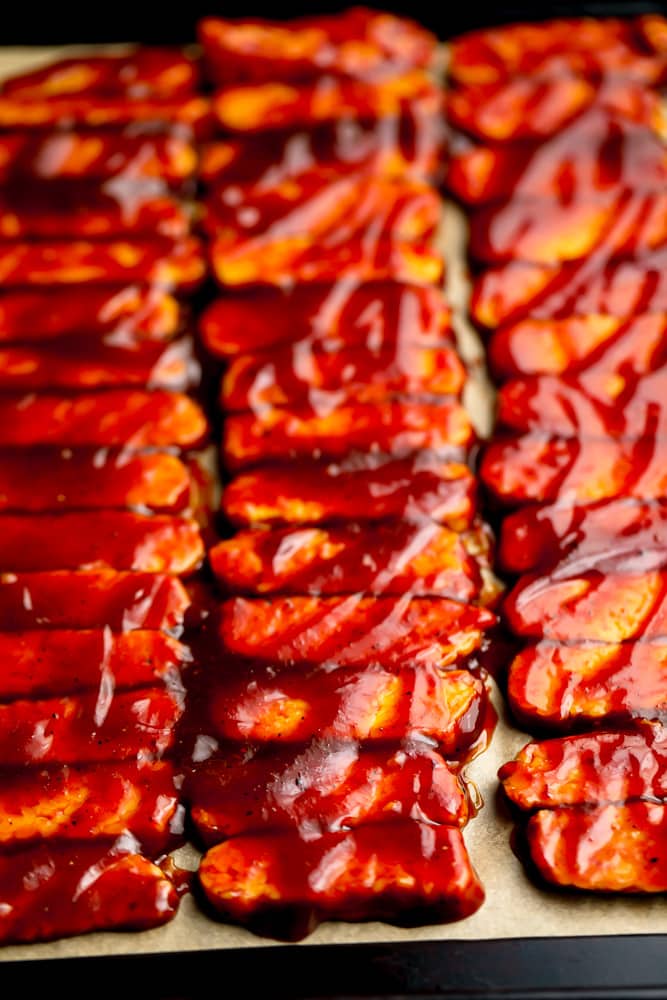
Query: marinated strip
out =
(306, 259)
(141, 73)
(278, 105)
(279, 885)
(323, 787)
(34, 480)
(356, 42)
(547, 231)
(127, 313)
(596, 769)
(368, 703)
(357, 315)
(629, 345)
(44, 663)
(394, 427)
(87, 111)
(542, 291)
(621, 535)
(609, 608)
(624, 847)
(528, 108)
(57, 262)
(596, 153)
(394, 558)
(594, 403)
(87, 728)
(369, 488)
(133, 419)
(100, 540)
(50, 892)
(90, 803)
(407, 145)
(57, 210)
(289, 375)
(574, 470)
(594, 47)
(652, 29)
(120, 602)
(353, 630)
(81, 363)
(322, 204)
(564, 686)
(83, 156)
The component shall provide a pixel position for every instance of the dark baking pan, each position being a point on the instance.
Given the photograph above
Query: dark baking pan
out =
(531, 969)
(65, 23)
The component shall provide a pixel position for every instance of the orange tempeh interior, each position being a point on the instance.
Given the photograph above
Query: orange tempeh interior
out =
(413, 869)
(353, 630)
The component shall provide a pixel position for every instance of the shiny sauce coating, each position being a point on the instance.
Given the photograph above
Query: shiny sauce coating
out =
(561, 162)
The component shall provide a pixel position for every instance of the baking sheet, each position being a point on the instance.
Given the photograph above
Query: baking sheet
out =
(514, 907)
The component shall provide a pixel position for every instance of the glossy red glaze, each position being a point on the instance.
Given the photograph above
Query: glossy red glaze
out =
(392, 427)
(426, 877)
(95, 155)
(102, 539)
(138, 74)
(613, 848)
(304, 259)
(324, 787)
(69, 209)
(85, 728)
(574, 470)
(652, 29)
(120, 602)
(368, 704)
(597, 153)
(374, 316)
(124, 418)
(83, 363)
(308, 370)
(45, 662)
(412, 874)
(353, 630)
(595, 769)
(48, 479)
(124, 314)
(562, 686)
(629, 345)
(608, 226)
(594, 47)
(321, 204)
(83, 111)
(577, 288)
(594, 403)
(407, 145)
(620, 535)
(54, 891)
(171, 264)
(90, 803)
(608, 608)
(530, 108)
(357, 42)
(277, 105)
(370, 487)
(394, 558)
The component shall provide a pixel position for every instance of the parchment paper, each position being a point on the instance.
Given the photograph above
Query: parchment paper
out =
(514, 907)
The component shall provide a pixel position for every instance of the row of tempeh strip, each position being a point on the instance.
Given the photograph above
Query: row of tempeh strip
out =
(341, 704)
(99, 494)
(565, 169)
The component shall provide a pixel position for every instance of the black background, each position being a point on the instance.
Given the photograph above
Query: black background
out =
(24, 23)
